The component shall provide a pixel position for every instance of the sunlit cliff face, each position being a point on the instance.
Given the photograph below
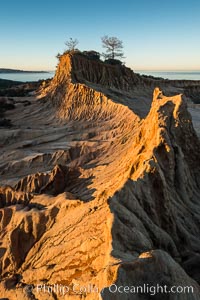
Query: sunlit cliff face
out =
(100, 186)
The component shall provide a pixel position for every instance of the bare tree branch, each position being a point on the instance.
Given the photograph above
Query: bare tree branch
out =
(113, 47)
(71, 44)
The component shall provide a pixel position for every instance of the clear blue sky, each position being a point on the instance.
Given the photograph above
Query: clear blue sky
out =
(157, 35)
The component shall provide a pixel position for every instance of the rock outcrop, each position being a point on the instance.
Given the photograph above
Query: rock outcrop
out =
(112, 187)
(9, 196)
(53, 183)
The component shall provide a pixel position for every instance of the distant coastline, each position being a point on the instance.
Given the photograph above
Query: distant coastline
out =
(14, 71)
(27, 77)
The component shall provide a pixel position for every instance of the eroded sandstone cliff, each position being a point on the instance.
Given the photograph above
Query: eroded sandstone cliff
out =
(104, 188)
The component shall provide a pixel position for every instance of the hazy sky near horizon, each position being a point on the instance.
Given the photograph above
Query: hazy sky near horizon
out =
(157, 35)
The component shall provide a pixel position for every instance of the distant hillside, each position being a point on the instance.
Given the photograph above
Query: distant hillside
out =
(8, 71)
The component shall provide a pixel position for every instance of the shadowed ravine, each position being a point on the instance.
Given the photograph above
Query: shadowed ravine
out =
(100, 185)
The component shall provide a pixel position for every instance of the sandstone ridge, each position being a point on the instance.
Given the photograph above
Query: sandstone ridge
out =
(105, 187)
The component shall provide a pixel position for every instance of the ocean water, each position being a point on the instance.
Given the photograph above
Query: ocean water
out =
(26, 77)
(174, 75)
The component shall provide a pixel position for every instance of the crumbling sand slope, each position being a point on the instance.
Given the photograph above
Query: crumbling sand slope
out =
(104, 188)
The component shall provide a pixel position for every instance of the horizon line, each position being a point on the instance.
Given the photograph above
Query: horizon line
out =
(134, 69)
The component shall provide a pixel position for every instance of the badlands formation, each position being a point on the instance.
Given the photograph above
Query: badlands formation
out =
(100, 186)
